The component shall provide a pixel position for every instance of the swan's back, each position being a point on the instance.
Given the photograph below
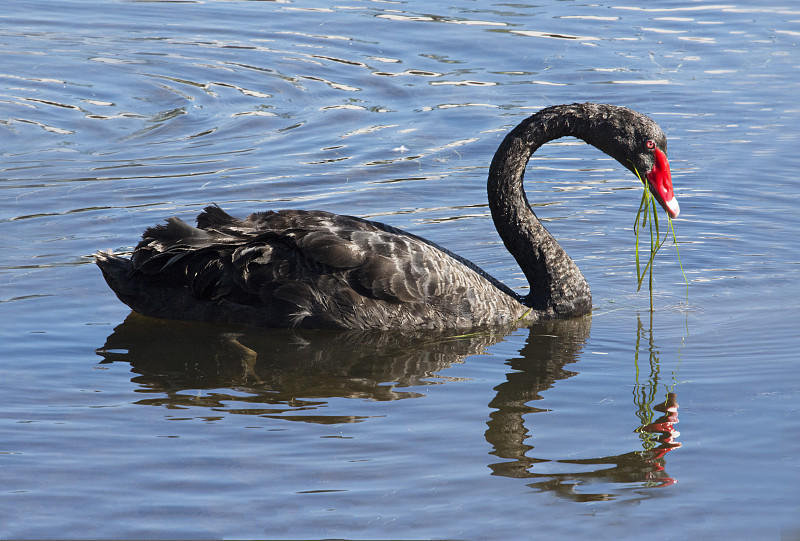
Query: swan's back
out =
(312, 269)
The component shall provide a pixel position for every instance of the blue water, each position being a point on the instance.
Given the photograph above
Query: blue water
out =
(117, 115)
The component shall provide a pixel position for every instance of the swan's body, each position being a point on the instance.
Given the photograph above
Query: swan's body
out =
(314, 269)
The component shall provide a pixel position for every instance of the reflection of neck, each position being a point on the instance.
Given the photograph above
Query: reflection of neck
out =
(550, 346)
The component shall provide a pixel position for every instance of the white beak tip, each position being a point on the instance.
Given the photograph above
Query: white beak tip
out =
(673, 208)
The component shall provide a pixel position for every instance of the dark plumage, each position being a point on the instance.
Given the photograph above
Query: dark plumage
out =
(314, 269)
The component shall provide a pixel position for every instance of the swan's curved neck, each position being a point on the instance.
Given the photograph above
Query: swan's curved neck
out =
(557, 286)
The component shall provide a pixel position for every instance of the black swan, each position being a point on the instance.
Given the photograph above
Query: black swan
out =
(314, 269)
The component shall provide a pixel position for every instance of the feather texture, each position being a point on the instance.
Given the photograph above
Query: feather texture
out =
(304, 269)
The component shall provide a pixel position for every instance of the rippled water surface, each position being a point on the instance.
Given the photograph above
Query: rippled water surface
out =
(117, 115)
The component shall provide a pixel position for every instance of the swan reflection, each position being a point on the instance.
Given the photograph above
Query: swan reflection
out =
(538, 367)
(292, 374)
(289, 370)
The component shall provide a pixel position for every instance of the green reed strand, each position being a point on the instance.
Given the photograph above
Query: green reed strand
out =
(646, 207)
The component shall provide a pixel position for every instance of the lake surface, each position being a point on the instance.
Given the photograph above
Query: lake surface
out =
(116, 115)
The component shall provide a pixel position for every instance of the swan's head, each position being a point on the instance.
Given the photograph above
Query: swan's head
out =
(658, 176)
(637, 142)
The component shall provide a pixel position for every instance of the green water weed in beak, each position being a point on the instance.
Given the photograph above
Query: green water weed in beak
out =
(648, 217)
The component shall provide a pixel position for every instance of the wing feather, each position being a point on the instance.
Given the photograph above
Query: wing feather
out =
(309, 268)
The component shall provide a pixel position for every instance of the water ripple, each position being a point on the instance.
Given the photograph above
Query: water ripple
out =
(117, 115)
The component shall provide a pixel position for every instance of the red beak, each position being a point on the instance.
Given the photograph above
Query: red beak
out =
(660, 180)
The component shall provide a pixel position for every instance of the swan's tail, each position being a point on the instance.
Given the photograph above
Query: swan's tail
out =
(116, 271)
(148, 297)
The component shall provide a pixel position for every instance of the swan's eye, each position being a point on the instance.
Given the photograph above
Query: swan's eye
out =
(650, 144)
